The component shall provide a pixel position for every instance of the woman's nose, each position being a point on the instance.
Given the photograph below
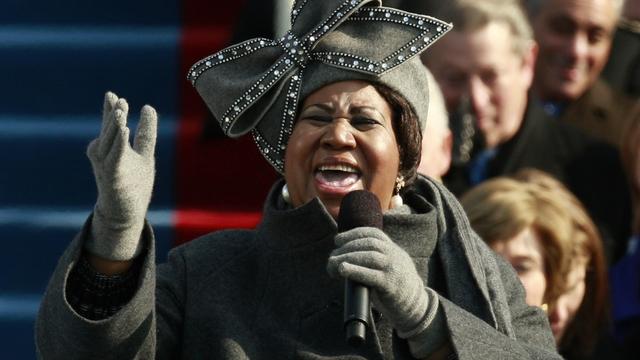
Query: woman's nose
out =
(339, 134)
(578, 46)
(479, 96)
(558, 313)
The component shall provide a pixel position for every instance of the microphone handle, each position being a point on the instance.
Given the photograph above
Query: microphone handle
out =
(358, 208)
(356, 312)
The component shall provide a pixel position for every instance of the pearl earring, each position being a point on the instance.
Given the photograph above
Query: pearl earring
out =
(396, 201)
(285, 194)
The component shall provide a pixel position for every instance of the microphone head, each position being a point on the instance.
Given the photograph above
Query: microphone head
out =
(359, 208)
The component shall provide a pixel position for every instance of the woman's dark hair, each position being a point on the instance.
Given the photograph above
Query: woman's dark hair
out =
(407, 130)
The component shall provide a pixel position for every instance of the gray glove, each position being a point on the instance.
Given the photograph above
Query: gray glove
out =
(124, 176)
(368, 256)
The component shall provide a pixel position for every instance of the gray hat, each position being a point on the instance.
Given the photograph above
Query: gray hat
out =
(258, 84)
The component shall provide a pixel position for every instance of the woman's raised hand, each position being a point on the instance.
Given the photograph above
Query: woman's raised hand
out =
(124, 176)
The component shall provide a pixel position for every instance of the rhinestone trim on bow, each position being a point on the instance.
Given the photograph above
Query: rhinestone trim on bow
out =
(275, 153)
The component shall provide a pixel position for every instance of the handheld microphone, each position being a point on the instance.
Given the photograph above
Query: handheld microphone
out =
(358, 208)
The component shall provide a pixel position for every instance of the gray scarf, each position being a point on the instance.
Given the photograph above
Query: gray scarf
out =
(472, 280)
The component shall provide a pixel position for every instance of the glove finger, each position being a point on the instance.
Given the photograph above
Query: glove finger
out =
(118, 121)
(120, 144)
(146, 133)
(106, 136)
(359, 232)
(362, 244)
(369, 277)
(124, 107)
(110, 100)
(92, 150)
(368, 259)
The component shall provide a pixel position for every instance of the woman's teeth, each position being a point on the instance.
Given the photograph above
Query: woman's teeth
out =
(344, 168)
(337, 175)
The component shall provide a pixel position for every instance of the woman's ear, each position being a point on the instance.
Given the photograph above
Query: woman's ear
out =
(529, 57)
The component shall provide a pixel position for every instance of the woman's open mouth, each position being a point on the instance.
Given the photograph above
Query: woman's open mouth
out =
(336, 178)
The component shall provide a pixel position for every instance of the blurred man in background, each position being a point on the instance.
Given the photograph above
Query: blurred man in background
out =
(485, 67)
(575, 39)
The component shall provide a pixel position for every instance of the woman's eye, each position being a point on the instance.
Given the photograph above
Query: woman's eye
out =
(318, 118)
(521, 268)
(363, 121)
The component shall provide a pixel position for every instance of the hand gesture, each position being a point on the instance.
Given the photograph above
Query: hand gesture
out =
(124, 177)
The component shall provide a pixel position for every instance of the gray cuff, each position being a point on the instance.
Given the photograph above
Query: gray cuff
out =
(110, 241)
(431, 333)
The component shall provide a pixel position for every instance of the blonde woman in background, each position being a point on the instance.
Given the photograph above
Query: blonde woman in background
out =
(544, 232)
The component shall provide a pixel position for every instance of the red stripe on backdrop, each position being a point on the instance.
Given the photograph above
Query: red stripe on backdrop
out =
(220, 182)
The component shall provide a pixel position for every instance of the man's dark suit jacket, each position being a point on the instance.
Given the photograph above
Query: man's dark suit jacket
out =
(603, 113)
(622, 71)
(590, 168)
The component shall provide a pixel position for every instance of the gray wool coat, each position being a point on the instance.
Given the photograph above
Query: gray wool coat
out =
(265, 294)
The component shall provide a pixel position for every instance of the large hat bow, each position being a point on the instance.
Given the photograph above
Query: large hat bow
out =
(256, 85)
